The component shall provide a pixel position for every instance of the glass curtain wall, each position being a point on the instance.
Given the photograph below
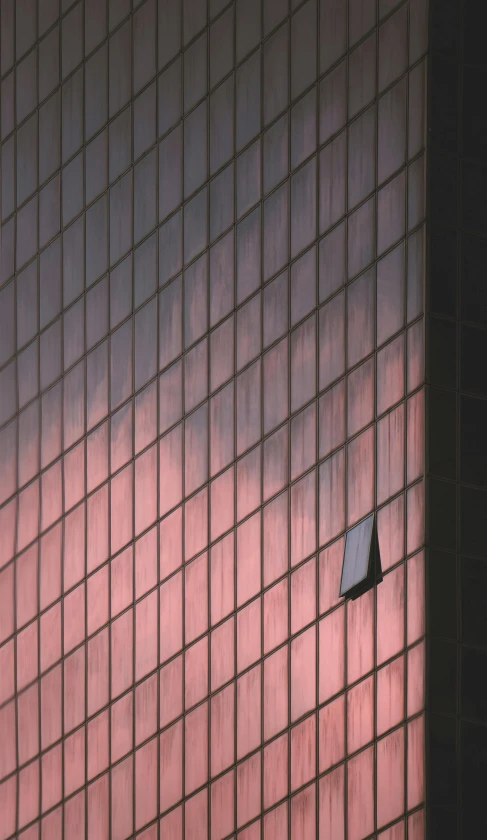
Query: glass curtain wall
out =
(211, 367)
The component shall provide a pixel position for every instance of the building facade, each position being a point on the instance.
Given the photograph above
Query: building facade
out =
(228, 337)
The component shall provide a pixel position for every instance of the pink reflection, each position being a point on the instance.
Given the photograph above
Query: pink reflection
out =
(7, 602)
(146, 761)
(222, 571)
(303, 814)
(145, 490)
(74, 689)
(249, 789)
(74, 544)
(276, 547)
(196, 524)
(360, 715)
(361, 795)
(28, 723)
(415, 459)
(303, 752)
(74, 618)
(196, 672)
(223, 653)
(170, 470)
(416, 662)
(171, 691)
(221, 429)
(360, 478)
(29, 793)
(51, 707)
(276, 771)
(415, 517)
(276, 711)
(222, 806)
(122, 726)
(360, 399)
(74, 817)
(390, 695)
(52, 825)
(146, 636)
(8, 519)
(122, 799)
(98, 808)
(172, 824)
(146, 417)
(171, 610)
(171, 543)
(97, 457)
(196, 598)
(8, 806)
(222, 729)
(331, 733)
(74, 761)
(390, 454)
(390, 777)
(390, 374)
(390, 526)
(249, 483)
(98, 745)
(415, 762)
(276, 460)
(121, 509)
(303, 596)
(146, 711)
(252, 832)
(248, 711)
(303, 441)
(332, 497)
(276, 823)
(416, 594)
(360, 636)
(27, 653)
(416, 825)
(275, 615)
(415, 356)
(303, 673)
(390, 614)
(26, 586)
(196, 817)
(331, 654)
(97, 597)
(50, 567)
(28, 515)
(146, 574)
(196, 748)
(8, 758)
(332, 809)
(248, 635)
(52, 496)
(74, 478)
(122, 641)
(329, 575)
(303, 518)
(171, 766)
(248, 559)
(222, 504)
(395, 832)
(97, 538)
(7, 682)
(98, 671)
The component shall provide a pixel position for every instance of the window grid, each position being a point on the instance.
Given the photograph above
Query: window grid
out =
(413, 485)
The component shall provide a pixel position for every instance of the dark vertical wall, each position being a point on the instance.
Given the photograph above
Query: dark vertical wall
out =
(457, 449)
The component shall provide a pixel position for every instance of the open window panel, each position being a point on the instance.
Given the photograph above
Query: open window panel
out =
(361, 562)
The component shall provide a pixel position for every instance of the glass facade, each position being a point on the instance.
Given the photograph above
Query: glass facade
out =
(211, 368)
